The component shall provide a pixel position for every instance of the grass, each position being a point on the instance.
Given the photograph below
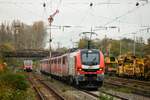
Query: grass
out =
(14, 86)
(105, 97)
(64, 90)
(119, 89)
(125, 90)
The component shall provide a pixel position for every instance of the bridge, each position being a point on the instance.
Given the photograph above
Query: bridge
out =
(30, 53)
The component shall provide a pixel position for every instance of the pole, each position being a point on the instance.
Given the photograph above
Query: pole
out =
(50, 19)
(50, 48)
(91, 34)
(89, 40)
(120, 40)
(134, 44)
(120, 46)
(15, 35)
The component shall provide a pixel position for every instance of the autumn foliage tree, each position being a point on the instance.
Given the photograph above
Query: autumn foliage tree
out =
(22, 36)
(115, 47)
(31, 37)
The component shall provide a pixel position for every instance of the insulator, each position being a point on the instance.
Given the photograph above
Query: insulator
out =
(137, 4)
(44, 4)
(50, 40)
(91, 4)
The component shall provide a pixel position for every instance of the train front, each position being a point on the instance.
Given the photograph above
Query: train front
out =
(90, 68)
(28, 65)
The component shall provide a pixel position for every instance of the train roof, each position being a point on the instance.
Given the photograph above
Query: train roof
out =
(93, 50)
(72, 51)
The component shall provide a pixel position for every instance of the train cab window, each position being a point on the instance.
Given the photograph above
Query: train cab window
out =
(90, 58)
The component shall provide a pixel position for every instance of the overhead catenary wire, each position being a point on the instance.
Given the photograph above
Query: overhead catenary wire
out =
(61, 1)
(29, 11)
(45, 15)
(125, 14)
(20, 2)
(104, 17)
(85, 16)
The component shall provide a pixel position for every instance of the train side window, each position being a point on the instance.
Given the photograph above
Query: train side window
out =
(55, 61)
(50, 61)
(75, 60)
(64, 60)
(59, 60)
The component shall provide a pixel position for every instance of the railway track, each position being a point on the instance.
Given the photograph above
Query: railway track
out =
(87, 94)
(136, 87)
(43, 90)
(91, 94)
(39, 93)
(146, 83)
(96, 95)
(59, 97)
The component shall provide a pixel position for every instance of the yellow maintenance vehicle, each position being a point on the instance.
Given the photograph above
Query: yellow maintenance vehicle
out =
(147, 67)
(131, 66)
(120, 68)
(111, 64)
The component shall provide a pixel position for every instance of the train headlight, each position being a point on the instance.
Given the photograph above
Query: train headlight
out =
(79, 69)
(100, 69)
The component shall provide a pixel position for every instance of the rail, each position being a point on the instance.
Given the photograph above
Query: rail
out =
(135, 90)
(97, 96)
(59, 97)
(40, 94)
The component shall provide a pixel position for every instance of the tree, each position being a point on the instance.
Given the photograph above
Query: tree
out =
(23, 36)
(84, 43)
(38, 34)
(147, 47)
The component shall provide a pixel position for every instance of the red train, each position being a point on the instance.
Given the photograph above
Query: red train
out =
(28, 65)
(82, 67)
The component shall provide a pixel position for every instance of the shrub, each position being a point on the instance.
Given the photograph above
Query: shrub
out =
(16, 81)
(15, 87)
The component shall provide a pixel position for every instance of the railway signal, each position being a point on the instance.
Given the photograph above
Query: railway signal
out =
(50, 20)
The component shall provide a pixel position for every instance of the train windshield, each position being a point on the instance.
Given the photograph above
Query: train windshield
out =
(27, 62)
(90, 58)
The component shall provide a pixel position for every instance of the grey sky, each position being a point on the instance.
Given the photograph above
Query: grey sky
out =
(124, 14)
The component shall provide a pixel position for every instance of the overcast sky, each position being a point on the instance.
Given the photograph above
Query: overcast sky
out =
(123, 14)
